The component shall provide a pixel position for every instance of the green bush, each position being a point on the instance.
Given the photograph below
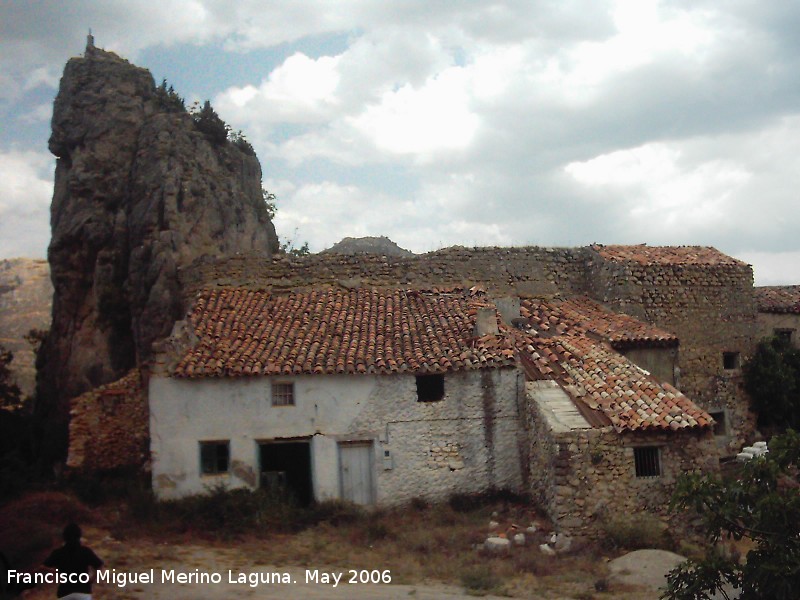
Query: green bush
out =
(636, 531)
(480, 580)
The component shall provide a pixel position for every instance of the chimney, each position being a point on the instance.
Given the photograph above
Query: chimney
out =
(508, 308)
(486, 322)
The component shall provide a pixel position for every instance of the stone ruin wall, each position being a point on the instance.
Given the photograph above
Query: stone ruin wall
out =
(530, 271)
(711, 309)
(109, 427)
(585, 479)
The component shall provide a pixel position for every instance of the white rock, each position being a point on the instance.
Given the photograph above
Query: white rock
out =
(563, 543)
(519, 539)
(493, 525)
(497, 544)
(546, 549)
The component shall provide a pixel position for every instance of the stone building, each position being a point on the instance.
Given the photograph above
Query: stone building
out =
(589, 377)
(374, 396)
(779, 312)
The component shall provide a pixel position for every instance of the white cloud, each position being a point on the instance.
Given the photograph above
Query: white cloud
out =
(773, 268)
(301, 90)
(24, 203)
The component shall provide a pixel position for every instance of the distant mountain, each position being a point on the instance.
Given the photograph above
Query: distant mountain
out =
(26, 296)
(368, 245)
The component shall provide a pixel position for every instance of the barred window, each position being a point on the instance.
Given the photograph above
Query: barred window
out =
(282, 394)
(214, 457)
(648, 461)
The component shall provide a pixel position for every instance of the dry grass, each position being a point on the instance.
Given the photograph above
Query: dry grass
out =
(419, 544)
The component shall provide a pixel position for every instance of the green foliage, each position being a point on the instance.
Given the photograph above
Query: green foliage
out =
(210, 124)
(269, 202)
(10, 394)
(480, 580)
(237, 139)
(772, 379)
(287, 246)
(761, 504)
(169, 99)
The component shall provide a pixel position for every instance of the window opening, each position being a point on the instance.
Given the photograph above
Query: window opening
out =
(214, 457)
(648, 461)
(720, 425)
(730, 360)
(430, 388)
(282, 394)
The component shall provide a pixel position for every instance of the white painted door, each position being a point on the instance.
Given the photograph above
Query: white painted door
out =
(355, 472)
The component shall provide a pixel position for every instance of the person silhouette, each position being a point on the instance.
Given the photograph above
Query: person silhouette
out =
(74, 563)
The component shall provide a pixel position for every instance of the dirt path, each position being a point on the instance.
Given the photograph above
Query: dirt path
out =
(165, 564)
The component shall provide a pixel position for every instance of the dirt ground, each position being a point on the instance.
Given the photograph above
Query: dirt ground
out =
(231, 563)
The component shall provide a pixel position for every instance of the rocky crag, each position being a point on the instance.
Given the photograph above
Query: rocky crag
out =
(25, 297)
(141, 191)
(368, 245)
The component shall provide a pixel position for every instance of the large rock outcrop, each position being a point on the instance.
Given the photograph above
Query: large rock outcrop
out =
(25, 296)
(140, 192)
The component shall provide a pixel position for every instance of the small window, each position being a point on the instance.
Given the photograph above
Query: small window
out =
(214, 457)
(730, 360)
(648, 461)
(784, 335)
(430, 388)
(282, 394)
(720, 423)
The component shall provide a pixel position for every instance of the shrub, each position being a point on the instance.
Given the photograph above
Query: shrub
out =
(639, 530)
(480, 580)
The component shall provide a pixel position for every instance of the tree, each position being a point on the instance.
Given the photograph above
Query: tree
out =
(9, 391)
(761, 504)
(772, 379)
(209, 123)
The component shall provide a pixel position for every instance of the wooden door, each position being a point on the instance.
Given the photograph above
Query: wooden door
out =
(355, 472)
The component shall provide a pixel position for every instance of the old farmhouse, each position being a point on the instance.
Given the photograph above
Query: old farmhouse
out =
(589, 377)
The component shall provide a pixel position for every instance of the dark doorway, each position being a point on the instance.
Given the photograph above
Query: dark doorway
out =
(286, 469)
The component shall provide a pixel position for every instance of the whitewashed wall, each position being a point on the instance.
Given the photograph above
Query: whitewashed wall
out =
(467, 442)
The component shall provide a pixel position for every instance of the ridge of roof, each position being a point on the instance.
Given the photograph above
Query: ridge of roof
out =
(666, 255)
(778, 298)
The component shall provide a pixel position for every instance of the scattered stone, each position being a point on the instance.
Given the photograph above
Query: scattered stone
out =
(493, 525)
(519, 539)
(547, 549)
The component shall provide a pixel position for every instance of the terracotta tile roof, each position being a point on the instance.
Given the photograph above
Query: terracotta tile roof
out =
(599, 378)
(245, 332)
(666, 255)
(778, 299)
(585, 315)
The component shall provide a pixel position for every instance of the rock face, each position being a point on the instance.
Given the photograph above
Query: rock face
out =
(368, 245)
(139, 193)
(25, 297)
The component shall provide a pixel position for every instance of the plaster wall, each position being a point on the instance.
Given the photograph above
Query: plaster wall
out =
(769, 322)
(468, 441)
(662, 363)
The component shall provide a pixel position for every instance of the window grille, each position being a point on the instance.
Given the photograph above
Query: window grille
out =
(282, 394)
(648, 461)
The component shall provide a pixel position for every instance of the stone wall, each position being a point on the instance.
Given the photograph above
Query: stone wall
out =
(712, 311)
(525, 270)
(109, 427)
(586, 477)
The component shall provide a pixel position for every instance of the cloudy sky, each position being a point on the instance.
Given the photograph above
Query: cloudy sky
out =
(436, 122)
